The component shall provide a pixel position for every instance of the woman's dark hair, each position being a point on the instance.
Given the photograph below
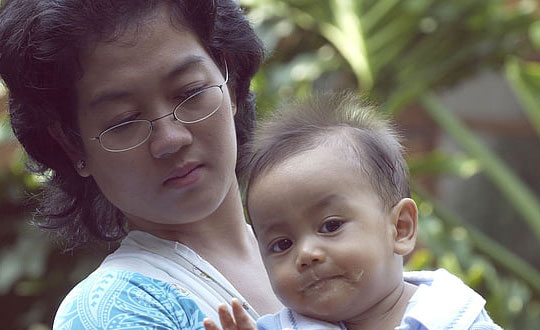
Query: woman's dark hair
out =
(40, 45)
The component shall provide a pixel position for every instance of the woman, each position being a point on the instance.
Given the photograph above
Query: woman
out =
(137, 107)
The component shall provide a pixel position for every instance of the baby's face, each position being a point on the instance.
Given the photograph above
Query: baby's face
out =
(324, 236)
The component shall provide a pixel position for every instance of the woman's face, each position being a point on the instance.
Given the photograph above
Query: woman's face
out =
(183, 172)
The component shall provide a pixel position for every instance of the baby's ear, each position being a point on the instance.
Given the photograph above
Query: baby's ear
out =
(405, 222)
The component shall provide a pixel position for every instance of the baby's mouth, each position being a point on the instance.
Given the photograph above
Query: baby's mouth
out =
(319, 282)
(316, 282)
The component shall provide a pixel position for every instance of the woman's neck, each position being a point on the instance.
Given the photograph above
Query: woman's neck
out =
(388, 313)
(223, 231)
(228, 244)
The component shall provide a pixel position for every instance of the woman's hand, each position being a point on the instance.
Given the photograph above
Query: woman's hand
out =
(240, 321)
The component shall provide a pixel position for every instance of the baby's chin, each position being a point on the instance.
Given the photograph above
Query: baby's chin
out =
(332, 301)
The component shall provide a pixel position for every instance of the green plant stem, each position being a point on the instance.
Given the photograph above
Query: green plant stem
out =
(530, 101)
(422, 80)
(376, 13)
(346, 34)
(519, 195)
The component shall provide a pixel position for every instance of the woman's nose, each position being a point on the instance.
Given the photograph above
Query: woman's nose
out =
(168, 137)
(309, 254)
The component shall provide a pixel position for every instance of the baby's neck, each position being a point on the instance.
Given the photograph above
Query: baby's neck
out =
(386, 314)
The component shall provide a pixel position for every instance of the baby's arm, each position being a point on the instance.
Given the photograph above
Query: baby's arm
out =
(240, 321)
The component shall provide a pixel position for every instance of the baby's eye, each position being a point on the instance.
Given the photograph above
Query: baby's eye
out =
(281, 245)
(331, 226)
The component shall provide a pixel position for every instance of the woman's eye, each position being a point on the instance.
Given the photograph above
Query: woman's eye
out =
(281, 245)
(185, 94)
(122, 121)
(331, 226)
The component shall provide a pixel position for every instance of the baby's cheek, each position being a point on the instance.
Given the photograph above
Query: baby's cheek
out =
(283, 282)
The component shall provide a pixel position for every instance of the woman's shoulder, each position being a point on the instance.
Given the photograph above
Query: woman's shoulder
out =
(125, 299)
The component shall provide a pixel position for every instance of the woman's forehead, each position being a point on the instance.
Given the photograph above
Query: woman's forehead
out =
(145, 60)
(134, 21)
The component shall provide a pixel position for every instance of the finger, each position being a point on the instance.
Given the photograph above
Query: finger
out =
(243, 322)
(209, 324)
(226, 319)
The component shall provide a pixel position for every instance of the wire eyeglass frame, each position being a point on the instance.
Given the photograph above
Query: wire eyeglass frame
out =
(174, 113)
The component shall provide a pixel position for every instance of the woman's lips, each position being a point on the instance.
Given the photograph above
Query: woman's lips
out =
(183, 176)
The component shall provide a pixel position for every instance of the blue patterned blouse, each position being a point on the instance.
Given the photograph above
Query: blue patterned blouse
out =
(119, 299)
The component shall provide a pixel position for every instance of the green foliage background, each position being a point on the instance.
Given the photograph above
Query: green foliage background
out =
(400, 53)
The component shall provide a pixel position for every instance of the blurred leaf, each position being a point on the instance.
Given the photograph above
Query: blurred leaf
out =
(440, 163)
(476, 273)
(450, 262)
(346, 34)
(26, 258)
(420, 259)
(534, 34)
(524, 77)
(486, 245)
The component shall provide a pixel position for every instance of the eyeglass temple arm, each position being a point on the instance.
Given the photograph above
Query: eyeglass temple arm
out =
(226, 73)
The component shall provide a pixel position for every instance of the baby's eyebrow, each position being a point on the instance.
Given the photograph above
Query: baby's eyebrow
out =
(327, 200)
(266, 229)
(319, 204)
(263, 230)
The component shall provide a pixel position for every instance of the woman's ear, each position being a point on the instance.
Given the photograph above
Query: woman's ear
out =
(74, 153)
(405, 222)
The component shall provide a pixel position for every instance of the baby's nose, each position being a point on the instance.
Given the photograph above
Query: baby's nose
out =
(308, 256)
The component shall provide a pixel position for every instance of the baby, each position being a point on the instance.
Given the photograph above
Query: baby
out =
(328, 197)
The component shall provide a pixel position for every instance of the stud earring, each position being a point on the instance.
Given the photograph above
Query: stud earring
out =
(80, 164)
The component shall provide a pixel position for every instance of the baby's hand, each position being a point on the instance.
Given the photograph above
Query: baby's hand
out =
(240, 321)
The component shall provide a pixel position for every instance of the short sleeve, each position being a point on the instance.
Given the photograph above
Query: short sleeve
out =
(484, 322)
(126, 300)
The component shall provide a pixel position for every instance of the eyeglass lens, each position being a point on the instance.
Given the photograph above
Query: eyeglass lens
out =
(199, 105)
(195, 108)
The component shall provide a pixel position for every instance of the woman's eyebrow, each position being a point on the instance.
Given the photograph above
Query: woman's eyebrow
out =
(107, 96)
(184, 65)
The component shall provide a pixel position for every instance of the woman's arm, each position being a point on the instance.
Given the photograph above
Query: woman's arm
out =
(122, 299)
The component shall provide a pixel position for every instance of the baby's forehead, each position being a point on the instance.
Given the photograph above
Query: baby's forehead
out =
(336, 150)
(315, 171)
(339, 145)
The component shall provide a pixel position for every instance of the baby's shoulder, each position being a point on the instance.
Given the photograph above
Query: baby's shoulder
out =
(126, 299)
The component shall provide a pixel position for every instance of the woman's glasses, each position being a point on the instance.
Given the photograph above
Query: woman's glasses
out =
(195, 108)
